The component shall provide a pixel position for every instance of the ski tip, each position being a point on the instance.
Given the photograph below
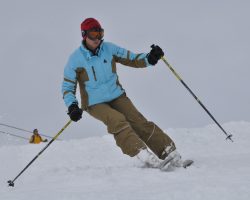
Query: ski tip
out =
(187, 163)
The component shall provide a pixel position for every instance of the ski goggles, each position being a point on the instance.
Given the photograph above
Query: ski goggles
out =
(96, 33)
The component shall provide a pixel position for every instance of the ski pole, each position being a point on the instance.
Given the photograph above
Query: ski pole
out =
(14, 135)
(11, 182)
(20, 129)
(229, 136)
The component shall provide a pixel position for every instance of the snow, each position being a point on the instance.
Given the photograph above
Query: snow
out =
(94, 168)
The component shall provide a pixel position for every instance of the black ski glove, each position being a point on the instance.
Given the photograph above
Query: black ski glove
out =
(74, 112)
(155, 54)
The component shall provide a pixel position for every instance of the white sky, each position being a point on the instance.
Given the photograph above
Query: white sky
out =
(207, 42)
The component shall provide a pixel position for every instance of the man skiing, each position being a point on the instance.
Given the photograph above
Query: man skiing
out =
(93, 67)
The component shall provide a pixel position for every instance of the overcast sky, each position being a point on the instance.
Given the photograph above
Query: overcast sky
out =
(207, 42)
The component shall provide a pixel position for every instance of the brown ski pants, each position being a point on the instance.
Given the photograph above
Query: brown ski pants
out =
(131, 130)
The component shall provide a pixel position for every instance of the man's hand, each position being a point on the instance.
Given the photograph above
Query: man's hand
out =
(155, 54)
(74, 112)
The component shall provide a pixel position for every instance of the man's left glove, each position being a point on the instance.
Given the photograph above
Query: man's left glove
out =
(155, 54)
(74, 112)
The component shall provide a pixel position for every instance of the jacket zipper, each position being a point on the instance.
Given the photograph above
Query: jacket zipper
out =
(94, 73)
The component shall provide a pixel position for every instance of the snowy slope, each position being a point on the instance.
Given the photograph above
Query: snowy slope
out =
(95, 168)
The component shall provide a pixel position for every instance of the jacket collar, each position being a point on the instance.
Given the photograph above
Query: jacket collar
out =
(90, 53)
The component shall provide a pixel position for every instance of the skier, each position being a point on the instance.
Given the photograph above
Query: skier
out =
(36, 138)
(93, 67)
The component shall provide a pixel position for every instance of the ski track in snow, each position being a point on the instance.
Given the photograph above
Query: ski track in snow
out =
(94, 168)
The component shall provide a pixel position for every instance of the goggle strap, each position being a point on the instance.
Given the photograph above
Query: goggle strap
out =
(83, 33)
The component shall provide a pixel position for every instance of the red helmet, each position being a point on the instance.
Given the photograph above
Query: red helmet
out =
(88, 24)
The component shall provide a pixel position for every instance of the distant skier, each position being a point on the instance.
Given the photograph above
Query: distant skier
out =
(93, 67)
(36, 138)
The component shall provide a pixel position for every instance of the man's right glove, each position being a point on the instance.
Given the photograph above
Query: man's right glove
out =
(74, 112)
(155, 54)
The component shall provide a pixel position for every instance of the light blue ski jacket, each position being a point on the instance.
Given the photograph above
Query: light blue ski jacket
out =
(96, 74)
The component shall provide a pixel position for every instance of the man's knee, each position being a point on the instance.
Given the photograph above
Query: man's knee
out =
(116, 123)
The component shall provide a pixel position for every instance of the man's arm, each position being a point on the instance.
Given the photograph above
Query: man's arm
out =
(69, 90)
(31, 139)
(69, 85)
(129, 58)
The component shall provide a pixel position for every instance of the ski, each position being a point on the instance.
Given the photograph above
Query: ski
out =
(187, 163)
(166, 166)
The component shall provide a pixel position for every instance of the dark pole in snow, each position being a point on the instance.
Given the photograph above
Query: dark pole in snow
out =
(229, 136)
(11, 182)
